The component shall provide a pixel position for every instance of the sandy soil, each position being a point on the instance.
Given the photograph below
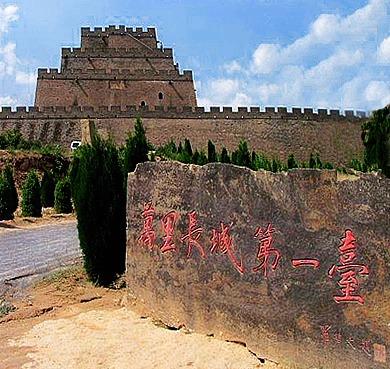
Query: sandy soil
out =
(65, 322)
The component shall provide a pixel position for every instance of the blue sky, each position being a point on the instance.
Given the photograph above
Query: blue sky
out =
(332, 54)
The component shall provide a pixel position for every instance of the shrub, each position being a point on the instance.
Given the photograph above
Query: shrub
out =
(136, 149)
(47, 189)
(211, 152)
(31, 196)
(62, 197)
(100, 203)
(13, 137)
(5, 199)
(242, 156)
(225, 158)
(291, 162)
(8, 176)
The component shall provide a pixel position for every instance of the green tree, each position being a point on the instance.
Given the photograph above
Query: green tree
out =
(62, 197)
(8, 176)
(185, 156)
(318, 161)
(376, 140)
(242, 155)
(136, 149)
(312, 161)
(100, 203)
(3, 142)
(47, 189)
(13, 137)
(212, 156)
(291, 162)
(5, 199)
(224, 158)
(31, 196)
(255, 160)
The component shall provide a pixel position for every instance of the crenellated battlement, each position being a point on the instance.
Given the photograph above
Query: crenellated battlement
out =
(100, 52)
(115, 74)
(139, 32)
(186, 112)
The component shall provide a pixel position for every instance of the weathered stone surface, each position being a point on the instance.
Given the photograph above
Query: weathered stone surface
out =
(289, 314)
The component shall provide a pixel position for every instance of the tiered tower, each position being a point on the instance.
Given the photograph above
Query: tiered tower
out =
(116, 67)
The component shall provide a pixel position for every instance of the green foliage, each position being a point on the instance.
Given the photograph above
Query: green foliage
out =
(8, 176)
(312, 161)
(255, 160)
(62, 197)
(136, 149)
(242, 156)
(291, 162)
(31, 196)
(328, 165)
(355, 164)
(276, 166)
(47, 189)
(212, 156)
(185, 154)
(225, 158)
(168, 150)
(199, 158)
(5, 199)
(13, 137)
(100, 203)
(3, 142)
(318, 162)
(376, 140)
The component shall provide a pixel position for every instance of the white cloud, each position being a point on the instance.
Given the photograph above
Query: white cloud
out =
(266, 58)
(224, 87)
(336, 65)
(25, 78)
(7, 15)
(9, 57)
(383, 56)
(233, 67)
(7, 101)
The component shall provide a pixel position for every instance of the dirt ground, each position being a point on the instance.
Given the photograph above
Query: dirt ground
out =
(63, 321)
(48, 217)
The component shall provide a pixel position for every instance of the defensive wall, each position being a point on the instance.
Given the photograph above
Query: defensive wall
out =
(293, 266)
(273, 131)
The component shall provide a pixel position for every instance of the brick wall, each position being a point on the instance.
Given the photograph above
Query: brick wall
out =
(336, 138)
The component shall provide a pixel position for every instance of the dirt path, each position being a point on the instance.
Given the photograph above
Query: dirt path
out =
(65, 322)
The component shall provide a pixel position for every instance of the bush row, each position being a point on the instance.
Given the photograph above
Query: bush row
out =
(48, 193)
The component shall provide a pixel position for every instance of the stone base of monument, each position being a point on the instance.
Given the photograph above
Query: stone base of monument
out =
(295, 266)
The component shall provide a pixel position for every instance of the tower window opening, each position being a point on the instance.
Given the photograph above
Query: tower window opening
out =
(143, 103)
(160, 95)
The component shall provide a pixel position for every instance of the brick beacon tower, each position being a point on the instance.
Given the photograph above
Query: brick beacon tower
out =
(116, 67)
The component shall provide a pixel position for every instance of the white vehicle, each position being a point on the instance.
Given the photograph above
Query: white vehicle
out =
(75, 144)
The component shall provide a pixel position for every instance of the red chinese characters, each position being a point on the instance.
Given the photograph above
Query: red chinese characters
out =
(167, 223)
(265, 250)
(348, 270)
(148, 235)
(223, 242)
(304, 262)
(193, 235)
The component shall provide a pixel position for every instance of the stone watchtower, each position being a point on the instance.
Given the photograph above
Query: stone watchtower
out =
(116, 67)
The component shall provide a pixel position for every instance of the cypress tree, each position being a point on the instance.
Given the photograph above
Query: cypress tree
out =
(225, 156)
(242, 155)
(8, 176)
(31, 196)
(312, 161)
(100, 202)
(47, 189)
(62, 197)
(291, 162)
(211, 152)
(5, 199)
(136, 149)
